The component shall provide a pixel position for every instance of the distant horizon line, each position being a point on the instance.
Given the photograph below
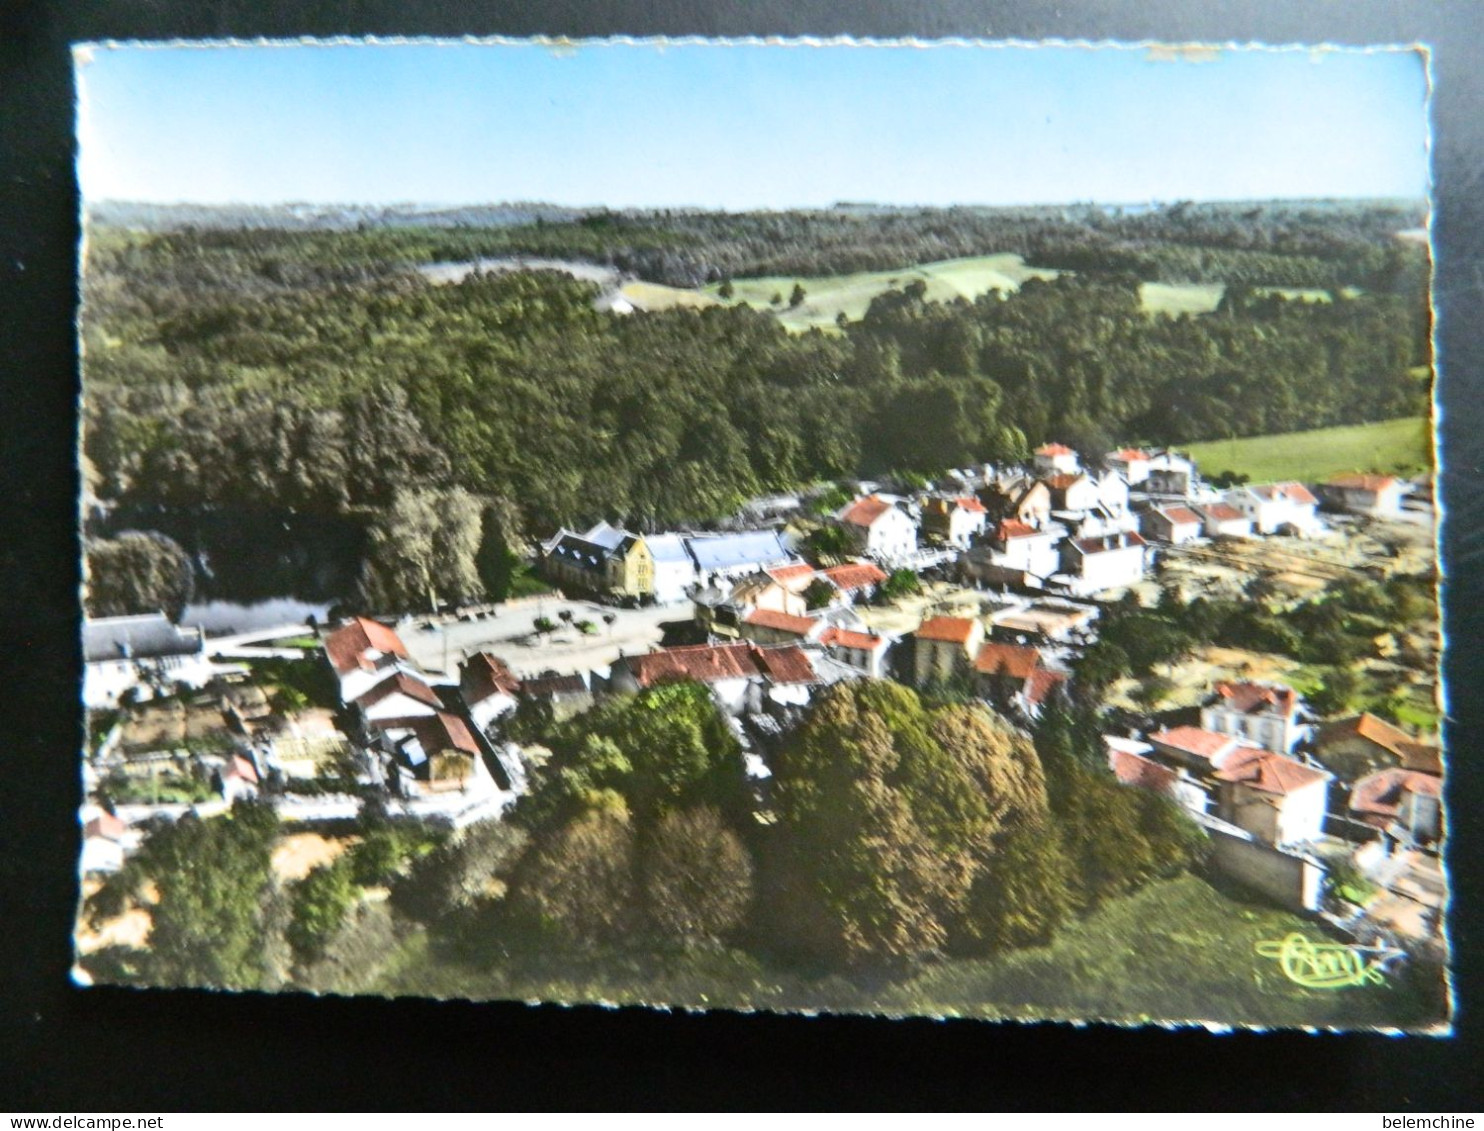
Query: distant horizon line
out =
(835, 205)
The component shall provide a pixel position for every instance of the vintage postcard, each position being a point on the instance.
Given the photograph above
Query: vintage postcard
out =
(911, 528)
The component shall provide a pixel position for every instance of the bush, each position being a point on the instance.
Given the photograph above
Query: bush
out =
(697, 876)
(321, 901)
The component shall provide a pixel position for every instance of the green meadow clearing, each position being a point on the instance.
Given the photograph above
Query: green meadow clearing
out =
(1180, 950)
(1203, 298)
(1390, 446)
(826, 297)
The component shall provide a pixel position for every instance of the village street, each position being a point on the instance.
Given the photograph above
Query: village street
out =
(510, 634)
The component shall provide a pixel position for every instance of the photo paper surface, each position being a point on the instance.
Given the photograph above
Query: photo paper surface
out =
(913, 528)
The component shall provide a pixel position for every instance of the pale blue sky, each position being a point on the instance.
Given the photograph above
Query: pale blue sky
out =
(744, 126)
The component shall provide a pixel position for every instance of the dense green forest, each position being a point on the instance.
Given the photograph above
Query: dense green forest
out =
(310, 374)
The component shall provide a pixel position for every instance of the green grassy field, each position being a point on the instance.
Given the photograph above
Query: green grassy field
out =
(1203, 298)
(826, 297)
(1180, 298)
(1179, 950)
(1391, 446)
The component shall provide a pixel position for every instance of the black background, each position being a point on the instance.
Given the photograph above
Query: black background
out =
(64, 1049)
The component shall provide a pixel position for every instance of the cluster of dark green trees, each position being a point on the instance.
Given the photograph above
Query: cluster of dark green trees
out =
(309, 378)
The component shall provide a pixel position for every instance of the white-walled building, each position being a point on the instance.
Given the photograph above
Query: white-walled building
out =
(1276, 507)
(1056, 459)
(1377, 495)
(674, 569)
(1222, 520)
(1175, 525)
(120, 653)
(1131, 463)
(1267, 714)
(1109, 561)
(879, 528)
(1171, 474)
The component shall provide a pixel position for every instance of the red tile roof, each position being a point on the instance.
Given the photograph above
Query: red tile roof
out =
(969, 503)
(483, 675)
(1054, 450)
(1294, 492)
(782, 622)
(1105, 543)
(795, 577)
(1379, 795)
(106, 825)
(785, 664)
(1267, 771)
(847, 638)
(708, 663)
(1193, 740)
(1131, 455)
(1181, 516)
(1257, 698)
(401, 682)
(1363, 482)
(347, 645)
(864, 512)
(1041, 684)
(1221, 512)
(1011, 660)
(240, 767)
(1133, 769)
(854, 575)
(1368, 726)
(1422, 756)
(440, 731)
(1013, 528)
(1063, 481)
(950, 630)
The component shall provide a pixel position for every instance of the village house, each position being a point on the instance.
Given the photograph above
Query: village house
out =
(763, 591)
(796, 577)
(237, 779)
(770, 626)
(1015, 677)
(431, 753)
(1131, 463)
(399, 695)
(1355, 746)
(955, 521)
(674, 569)
(1170, 473)
(744, 677)
(1222, 520)
(864, 651)
(1112, 489)
(489, 689)
(564, 695)
(1133, 763)
(1277, 508)
(1276, 798)
(1406, 805)
(363, 652)
(1055, 459)
(604, 560)
(1266, 714)
(1379, 496)
(1018, 547)
(1072, 492)
(1021, 498)
(1175, 525)
(943, 647)
(879, 528)
(145, 652)
(1108, 561)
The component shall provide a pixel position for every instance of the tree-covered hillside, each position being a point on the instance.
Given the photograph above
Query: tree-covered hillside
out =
(312, 375)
